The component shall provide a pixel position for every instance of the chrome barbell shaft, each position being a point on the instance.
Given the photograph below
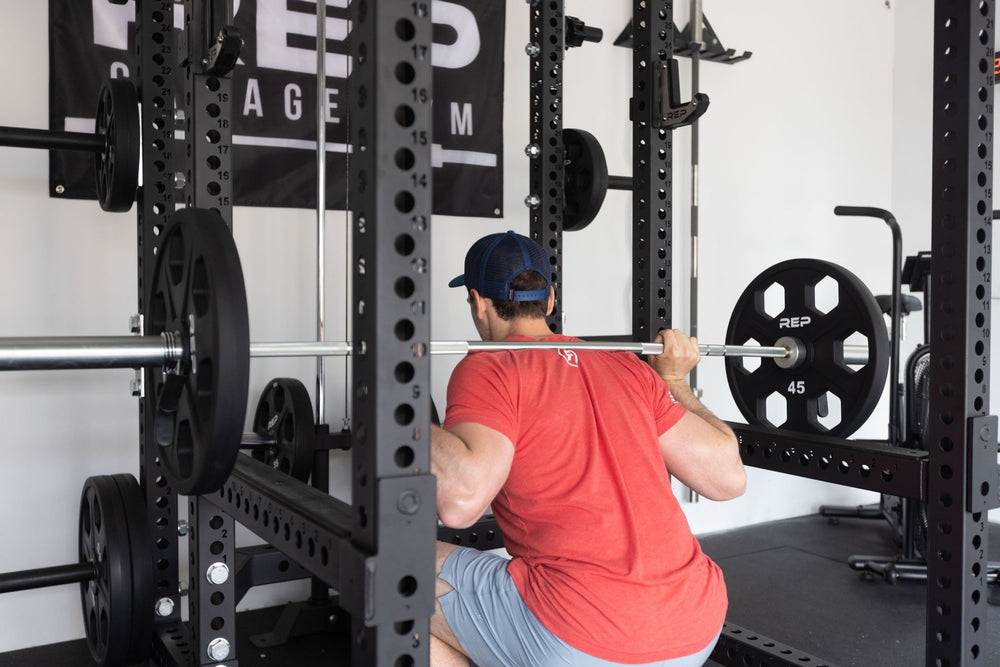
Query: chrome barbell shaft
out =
(55, 353)
(853, 354)
(58, 353)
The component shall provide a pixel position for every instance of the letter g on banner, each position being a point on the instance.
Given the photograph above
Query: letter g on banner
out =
(465, 48)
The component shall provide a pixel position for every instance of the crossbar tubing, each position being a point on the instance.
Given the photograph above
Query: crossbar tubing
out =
(870, 465)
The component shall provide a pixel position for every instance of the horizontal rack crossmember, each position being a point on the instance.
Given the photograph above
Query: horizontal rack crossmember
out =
(740, 646)
(309, 526)
(862, 464)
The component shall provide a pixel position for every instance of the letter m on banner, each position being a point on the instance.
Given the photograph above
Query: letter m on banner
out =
(275, 106)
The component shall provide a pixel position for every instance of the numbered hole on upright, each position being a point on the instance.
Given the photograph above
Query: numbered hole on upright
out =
(776, 409)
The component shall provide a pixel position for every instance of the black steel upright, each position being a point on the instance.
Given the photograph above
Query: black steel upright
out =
(962, 438)
(652, 171)
(389, 577)
(156, 77)
(545, 200)
(207, 103)
(186, 159)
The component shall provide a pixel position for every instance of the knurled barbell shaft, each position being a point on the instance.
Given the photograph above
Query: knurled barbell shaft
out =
(47, 576)
(20, 137)
(57, 353)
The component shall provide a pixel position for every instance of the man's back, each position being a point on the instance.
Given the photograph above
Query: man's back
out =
(603, 554)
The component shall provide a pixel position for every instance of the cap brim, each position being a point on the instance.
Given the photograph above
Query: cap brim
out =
(457, 281)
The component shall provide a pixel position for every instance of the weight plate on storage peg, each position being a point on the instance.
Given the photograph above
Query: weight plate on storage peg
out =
(821, 307)
(284, 414)
(198, 295)
(116, 168)
(140, 545)
(585, 172)
(111, 539)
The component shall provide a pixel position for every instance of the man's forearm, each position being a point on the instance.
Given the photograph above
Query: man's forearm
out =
(681, 391)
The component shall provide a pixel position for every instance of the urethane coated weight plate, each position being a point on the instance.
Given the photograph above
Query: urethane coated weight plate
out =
(824, 307)
(116, 168)
(107, 598)
(585, 175)
(140, 635)
(198, 294)
(284, 414)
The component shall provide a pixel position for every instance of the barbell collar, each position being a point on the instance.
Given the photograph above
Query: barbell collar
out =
(64, 353)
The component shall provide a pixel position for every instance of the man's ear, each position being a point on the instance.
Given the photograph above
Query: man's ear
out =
(478, 303)
(552, 301)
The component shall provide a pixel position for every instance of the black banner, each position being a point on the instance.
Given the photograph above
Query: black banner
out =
(274, 98)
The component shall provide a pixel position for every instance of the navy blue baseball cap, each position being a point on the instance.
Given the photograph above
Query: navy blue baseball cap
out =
(495, 260)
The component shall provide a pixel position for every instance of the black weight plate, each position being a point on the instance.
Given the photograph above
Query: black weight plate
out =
(807, 389)
(585, 179)
(116, 168)
(198, 287)
(107, 599)
(141, 559)
(284, 414)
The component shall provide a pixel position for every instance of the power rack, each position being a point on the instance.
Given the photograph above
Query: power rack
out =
(387, 591)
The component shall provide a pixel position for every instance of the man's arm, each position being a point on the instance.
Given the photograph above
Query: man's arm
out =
(700, 449)
(471, 463)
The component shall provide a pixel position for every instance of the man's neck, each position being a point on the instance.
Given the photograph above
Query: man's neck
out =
(523, 326)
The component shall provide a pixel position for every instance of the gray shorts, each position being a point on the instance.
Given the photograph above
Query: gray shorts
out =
(495, 627)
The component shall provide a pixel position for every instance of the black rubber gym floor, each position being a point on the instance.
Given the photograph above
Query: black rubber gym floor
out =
(788, 580)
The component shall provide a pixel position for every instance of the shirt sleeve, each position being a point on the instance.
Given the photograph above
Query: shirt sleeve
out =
(480, 393)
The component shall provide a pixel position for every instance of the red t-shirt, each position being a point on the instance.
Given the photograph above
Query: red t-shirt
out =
(602, 553)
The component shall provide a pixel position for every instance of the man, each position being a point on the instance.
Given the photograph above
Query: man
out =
(574, 450)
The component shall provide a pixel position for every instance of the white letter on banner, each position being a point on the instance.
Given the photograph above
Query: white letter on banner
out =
(331, 105)
(293, 101)
(275, 22)
(466, 46)
(461, 119)
(111, 23)
(252, 101)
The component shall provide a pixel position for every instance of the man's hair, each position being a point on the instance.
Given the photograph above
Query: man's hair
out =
(524, 281)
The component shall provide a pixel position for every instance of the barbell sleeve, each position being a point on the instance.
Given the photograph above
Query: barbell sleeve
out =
(58, 353)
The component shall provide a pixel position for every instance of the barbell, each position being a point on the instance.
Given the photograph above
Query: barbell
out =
(115, 144)
(95, 352)
(197, 333)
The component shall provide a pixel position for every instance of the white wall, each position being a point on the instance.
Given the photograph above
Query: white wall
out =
(819, 116)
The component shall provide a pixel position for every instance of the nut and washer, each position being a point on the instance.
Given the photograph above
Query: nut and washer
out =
(164, 607)
(217, 573)
(218, 649)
